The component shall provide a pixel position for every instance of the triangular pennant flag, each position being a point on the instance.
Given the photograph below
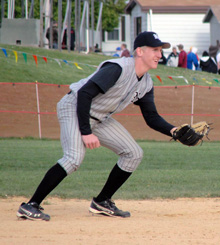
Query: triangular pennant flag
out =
(216, 80)
(195, 79)
(78, 67)
(45, 59)
(186, 81)
(35, 58)
(5, 52)
(25, 57)
(16, 56)
(65, 61)
(57, 62)
(159, 78)
(171, 78)
(89, 66)
(206, 81)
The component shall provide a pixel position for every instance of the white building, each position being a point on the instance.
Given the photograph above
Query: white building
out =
(174, 21)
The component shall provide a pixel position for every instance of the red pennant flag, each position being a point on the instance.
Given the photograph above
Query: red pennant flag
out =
(159, 78)
(171, 78)
(45, 59)
(35, 58)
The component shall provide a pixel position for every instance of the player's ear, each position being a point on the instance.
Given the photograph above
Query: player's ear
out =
(139, 51)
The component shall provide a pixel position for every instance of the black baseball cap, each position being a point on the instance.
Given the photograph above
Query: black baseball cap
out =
(150, 39)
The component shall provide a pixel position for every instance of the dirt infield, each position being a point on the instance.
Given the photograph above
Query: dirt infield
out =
(152, 222)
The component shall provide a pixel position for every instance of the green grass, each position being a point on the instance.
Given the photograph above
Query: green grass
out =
(50, 72)
(168, 170)
(54, 73)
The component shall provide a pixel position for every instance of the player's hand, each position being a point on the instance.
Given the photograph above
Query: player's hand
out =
(91, 141)
(172, 130)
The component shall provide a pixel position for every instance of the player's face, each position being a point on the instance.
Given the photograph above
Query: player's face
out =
(151, 56)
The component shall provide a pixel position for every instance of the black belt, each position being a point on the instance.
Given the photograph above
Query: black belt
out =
(95, 118)
(69, 92)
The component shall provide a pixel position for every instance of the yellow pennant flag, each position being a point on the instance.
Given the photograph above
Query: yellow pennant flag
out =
(16, 56)
(206, 81)
(77, 66)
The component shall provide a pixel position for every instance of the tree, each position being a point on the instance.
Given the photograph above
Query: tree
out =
(110, 14)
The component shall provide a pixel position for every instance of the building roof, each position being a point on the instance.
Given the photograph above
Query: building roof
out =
(212, 11)
(172, 6)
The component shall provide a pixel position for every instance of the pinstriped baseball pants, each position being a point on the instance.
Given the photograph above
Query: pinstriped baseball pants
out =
(110, 133)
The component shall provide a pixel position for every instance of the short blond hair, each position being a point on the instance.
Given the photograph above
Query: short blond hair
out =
(135, 51)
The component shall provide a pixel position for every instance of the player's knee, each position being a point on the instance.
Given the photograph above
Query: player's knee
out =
(130, 160)
(138, 154)
(70, 163)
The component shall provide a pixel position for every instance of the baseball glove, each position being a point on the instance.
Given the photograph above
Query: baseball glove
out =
(191, 135)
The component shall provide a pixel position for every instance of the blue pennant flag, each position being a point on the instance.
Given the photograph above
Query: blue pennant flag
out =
(5, 52)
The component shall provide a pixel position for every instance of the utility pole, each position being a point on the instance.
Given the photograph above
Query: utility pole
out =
(22, 8)
(69, 25)
(51, 24)
(41, 24)
(77, 25)
(31, 12)
(3, 10)
(92, 23)
(59, 23)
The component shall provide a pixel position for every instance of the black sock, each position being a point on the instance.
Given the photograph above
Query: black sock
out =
(51, 179)
(115, 180)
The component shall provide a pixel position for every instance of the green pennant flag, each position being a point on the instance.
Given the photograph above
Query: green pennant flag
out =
(216, 80)
(25, 57)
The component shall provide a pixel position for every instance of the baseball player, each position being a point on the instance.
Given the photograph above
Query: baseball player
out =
(85, 117)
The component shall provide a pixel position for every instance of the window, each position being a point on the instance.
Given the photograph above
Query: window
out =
(113, 35)
(137, 25)
(103, 35)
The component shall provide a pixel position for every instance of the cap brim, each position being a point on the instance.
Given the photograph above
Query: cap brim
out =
(166, 45)
(161, 44)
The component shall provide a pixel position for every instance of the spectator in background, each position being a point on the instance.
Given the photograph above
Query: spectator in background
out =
(72, 39)
(218, 61)
(97, 49)
(182, 57)
(124, 51)
(54, 35)
(163, 59)
(208, 63)
(118, 52)
(192, 59)
(173, 58)
(195, 50)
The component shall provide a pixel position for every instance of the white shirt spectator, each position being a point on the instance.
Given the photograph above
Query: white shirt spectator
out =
(218, 60)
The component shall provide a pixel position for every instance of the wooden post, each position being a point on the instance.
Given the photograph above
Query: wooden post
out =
(38, 110)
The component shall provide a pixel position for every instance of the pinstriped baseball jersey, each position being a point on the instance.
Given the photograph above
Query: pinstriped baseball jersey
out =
(126, 90)
(110, 133)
